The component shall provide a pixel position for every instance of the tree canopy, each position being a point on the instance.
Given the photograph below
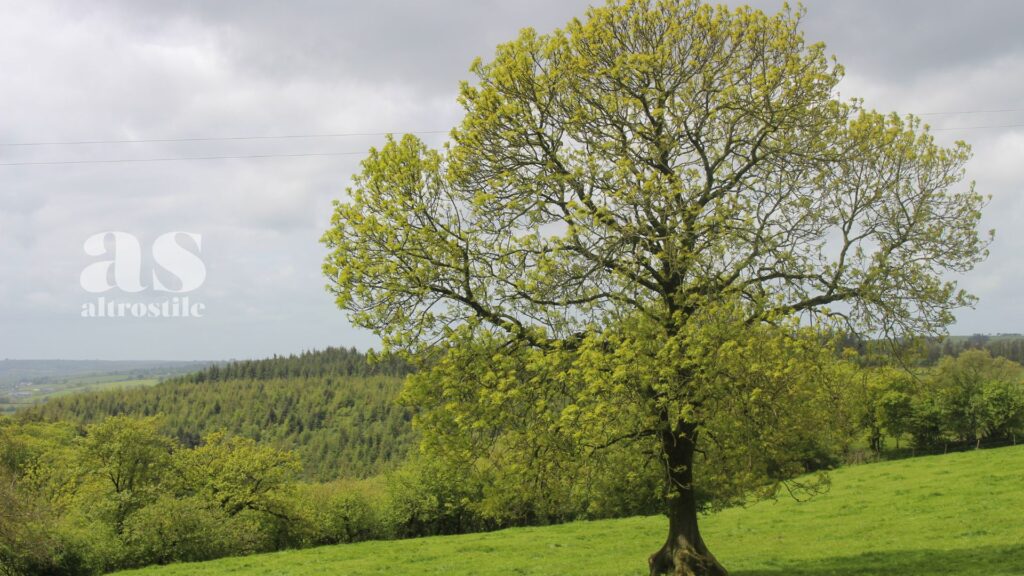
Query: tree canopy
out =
(637, 233)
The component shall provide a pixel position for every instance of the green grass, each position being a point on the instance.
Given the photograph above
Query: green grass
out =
(106, 385)
(959, 514)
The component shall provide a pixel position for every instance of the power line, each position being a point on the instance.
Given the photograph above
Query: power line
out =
(357, 134)
(216, 138)
(970, 112)
(175, 158)
(319, 154)
(307, 154)
(977, 127)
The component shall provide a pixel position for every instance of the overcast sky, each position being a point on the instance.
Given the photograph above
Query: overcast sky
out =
(88, 71)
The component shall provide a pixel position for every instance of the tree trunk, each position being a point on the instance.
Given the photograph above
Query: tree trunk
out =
(684, 552)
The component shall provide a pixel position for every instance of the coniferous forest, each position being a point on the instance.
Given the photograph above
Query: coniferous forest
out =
(337, 411)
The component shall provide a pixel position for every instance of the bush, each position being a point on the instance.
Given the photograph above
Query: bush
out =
(190, 529)
(177, 530)
(340, 512)
(427, 498)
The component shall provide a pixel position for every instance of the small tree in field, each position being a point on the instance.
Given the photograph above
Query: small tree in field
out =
(639, 224)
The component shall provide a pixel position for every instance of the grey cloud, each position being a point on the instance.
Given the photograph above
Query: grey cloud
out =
(426, 46)
(429, 45)
(120, 70)
(897, 40)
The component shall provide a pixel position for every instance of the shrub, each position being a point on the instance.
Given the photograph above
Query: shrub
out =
(340, 512)
(178, 530)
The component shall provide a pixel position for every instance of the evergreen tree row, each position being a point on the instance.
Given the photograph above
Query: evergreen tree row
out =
(328, 362)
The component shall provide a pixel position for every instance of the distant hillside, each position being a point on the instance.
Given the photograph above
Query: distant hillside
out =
(26, 383)
(336, 409)
(43, 371)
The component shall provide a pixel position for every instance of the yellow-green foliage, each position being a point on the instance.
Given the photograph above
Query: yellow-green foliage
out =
(642, 225)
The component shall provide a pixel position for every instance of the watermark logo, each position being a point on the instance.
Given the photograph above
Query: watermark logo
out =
(177, 268)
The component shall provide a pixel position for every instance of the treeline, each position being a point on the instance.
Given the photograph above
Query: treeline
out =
(328, 362)
(120, 494)
(334, 408)
(962, 402)
(926, 352)
(1009, 346)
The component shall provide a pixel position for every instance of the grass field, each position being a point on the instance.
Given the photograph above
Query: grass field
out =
(960, 514)
(41, 392)
(25, 383)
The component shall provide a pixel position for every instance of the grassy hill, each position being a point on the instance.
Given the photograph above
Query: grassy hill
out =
(958, 514)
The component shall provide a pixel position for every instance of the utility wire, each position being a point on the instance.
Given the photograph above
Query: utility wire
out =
(330, 135)
(976, 127)
(215, 138)
(175, 158)
(970, 112)
(308, 154)
(356, 134)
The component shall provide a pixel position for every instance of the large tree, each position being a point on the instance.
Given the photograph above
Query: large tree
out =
(635, 230)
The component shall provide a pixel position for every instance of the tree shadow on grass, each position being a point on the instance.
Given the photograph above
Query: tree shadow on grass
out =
(980, 561)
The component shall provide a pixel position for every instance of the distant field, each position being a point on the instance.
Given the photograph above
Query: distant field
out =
(108, 385)
(29, 382)
(41, 392)
(958, 514)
